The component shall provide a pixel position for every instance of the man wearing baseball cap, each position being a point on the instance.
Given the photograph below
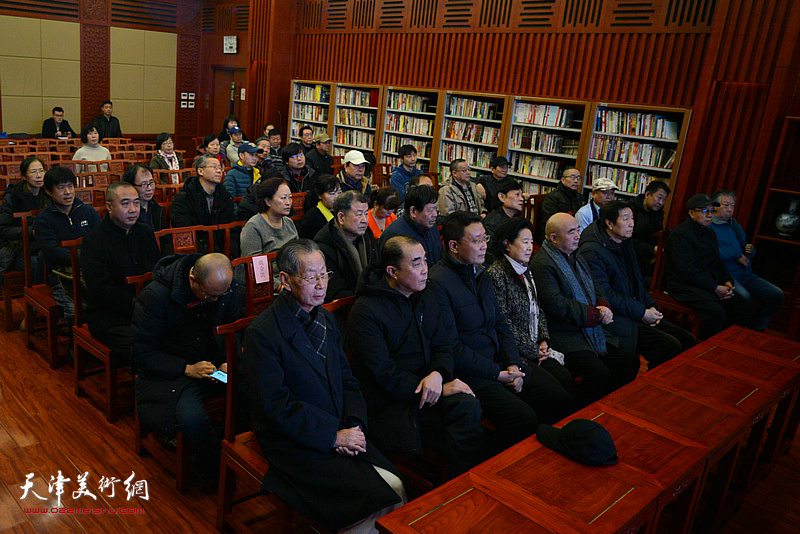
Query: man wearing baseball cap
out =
(244, 172)
(603, 191)
(695, 274)
(231, 147)
(352, 176)
(320, 158)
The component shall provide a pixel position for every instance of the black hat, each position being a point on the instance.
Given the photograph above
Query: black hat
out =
(700, 201)
(582, 440)
(498, 161)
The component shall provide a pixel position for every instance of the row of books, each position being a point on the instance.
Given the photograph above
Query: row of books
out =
(358, 138)
(468, 131)
(392, 143)
(536, 166)
(312, 93)
(630, 123)
(357, 97)
(355, 117)
(468, 107)
(633, 182)
(543, 114)
(317, 128)
(475, 156)
(530, 188)
(621, 150)
(527, 139)
(409, 124)
(310, 113)
(408, 102)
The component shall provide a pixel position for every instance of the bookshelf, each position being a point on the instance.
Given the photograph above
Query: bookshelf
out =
(355, 118)
(311, 105)
(633, 145)
(472, 129)
(409, 119)
(544, 138)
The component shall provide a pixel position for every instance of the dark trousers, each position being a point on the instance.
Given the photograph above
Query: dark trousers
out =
(118, 339)
(512, 415)
(193, 421)
(565, 378)
(662, 342)
(601, 374)
(456, 422)
(715, 314)
(546, 393)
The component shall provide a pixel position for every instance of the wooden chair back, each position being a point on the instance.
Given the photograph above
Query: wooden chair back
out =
(166, 192)
(185, 240)
(77, 287)
(230, 231)
(162, 176)
(231, 332)
(258, 297)
(381, 174)
(657, 282)
(298, 201)
(139, 281)
(535, 208)
(25, 222)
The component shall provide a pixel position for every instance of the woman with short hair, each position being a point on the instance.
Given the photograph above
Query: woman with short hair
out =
(270, 228)
(91, 150)
(165, 157)
(317, 215)
(385, 202)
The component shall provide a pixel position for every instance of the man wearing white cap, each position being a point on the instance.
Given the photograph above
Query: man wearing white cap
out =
(602, 192)
(352, 176)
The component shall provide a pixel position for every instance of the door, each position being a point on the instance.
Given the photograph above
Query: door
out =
(228, 85)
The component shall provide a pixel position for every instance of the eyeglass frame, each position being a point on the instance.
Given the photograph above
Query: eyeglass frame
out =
(316, 278)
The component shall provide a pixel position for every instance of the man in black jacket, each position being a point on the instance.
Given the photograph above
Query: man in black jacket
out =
(648, 215)
(564, 198)
(120, 247)
(577, 313)
(320, 158)
(175, 351)
(492, 182)
(106, 124)
(419, 222)
(310, 417)
(695, 274)
(297, 174)
(56, 126)
(641, 328)
(203, 202)
(150, 212)
(509, 194)
(485, 353)
(402, 356)
(347, 243)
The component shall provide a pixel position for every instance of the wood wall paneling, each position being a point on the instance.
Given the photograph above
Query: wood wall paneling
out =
(95, 69)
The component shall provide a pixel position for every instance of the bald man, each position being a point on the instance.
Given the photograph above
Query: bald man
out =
(175, 350)
(577, 311)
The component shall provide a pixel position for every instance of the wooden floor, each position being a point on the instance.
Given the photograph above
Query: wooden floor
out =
(45, 428)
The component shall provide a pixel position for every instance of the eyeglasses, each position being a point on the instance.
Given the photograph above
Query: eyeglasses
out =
(707, 210)
(296, 156)
(573, 177)
(213, 167)
(322, 277)
(211, 298)
(147, 185)
(480, 240)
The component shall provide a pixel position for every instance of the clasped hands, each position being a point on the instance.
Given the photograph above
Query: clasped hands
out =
(512, 378)
(724, 292)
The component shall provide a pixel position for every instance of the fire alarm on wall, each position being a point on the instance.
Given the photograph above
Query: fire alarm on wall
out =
(229, 44)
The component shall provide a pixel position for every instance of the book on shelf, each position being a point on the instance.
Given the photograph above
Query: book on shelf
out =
(408, 124)
(543, 114)
(316, 127)
(531, 188)
(620, 150)
(309, 112)
(357, 138)
(392, 143)
(408, 102)
(628, 181)
(395, 161)
(475, 156)
(355, 117)
(312, 93)
(468, 131)
(357, 97)
(536, 166)
(529, 139)
(634, 123)
(469, 107)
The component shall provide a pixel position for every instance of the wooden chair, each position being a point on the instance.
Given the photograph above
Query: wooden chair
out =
(162, 176)
(185, 240)
(434, 178)
(381, 174)
(13, 286)
(258, 297)
(39, 299)
(84, 343)
(231, 231)
(166, 192)
(665, 302)
(298, 201)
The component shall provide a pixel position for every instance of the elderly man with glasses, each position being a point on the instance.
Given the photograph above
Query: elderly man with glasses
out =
(150, 212)
(174, 350)
(695, 274)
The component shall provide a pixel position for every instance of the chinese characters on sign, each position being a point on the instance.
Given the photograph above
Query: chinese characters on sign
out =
(133, 488)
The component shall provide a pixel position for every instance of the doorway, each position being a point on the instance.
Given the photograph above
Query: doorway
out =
(228, 85)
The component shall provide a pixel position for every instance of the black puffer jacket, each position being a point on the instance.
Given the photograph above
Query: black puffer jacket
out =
(18, 198)
(337, 259)
(560, 199)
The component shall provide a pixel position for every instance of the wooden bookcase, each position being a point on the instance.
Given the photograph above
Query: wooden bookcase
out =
(311, 105)
(472, 128)
(410, 118)
(777, 256)
(632, 145)
(544, 138)
(355, 118)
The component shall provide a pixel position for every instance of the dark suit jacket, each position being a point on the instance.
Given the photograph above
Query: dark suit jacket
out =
(49, 128)
(300, 401)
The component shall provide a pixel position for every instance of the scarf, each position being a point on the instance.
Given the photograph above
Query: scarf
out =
(324, 210)
(533, 316)
(172, 163)
(472, 206)
(312, 326)
(595, 335)
(357, 253)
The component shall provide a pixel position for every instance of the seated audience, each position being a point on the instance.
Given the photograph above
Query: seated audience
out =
(26, 195)
(165, 157)
(565, 198)
(174, 350)
(577, 311)
(509, 196)
(402, 174)
(150, 212)
(297, 174)
(640, 327)
(244, 173)
(203, 202)
(248, 205)
(268, 128)
(275, 149)
(65, 218)
(91, 150)
(402, 357)
(518, 299)
(385, 202)
(736, 253)
(347, 243)
(106, 124)
(352, 176)
(485, 355)
(56, 127)
(320, 158)
(306, 134)
(459, 193)
(119, 247)
(419, 222)
(326, 189)
(602, 193)
(263, 164)
(230, 122)
(211, 147)
(270, 228)
(648, 220)
(491, 182)
(696, 276)
(309, 416)
(231, 147)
